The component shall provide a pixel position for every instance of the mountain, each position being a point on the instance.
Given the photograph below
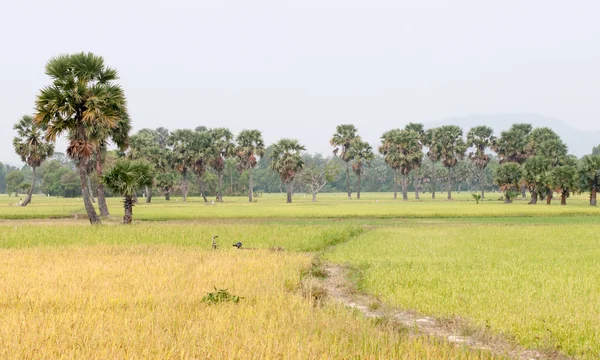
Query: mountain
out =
(579, 142)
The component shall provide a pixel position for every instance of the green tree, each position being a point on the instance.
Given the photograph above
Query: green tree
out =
(419, 129)
(250, 145)
(535, 172)
(125, 177)
(317, 173)
(83, 94)
(343, 138)
(508, 177)
(14, 182)
(361, 154)
(513, 144)
(596, 150)
(434, 152)
(31, 146)
(402, 150)
(287, 161)
(480, 138)
(564, 181)
(452, 148)
(589, 175)
(222, 147)
(182, 155)
(166, 182)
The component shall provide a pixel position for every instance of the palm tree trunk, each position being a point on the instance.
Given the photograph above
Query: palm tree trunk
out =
(148, 194)
(417, 185)
(404, 186)
(167, 194)
(549, 197)
(184, 185)
(563, 198)
(128, 205)
(100, 188)
(89, 186)
(220, 186)
(348, 180)
(449, 183)
(30, 194)
(433, 180)
(314, 196)
(593, 194)
(482, 181)
(534, 198)
(523, 191)
(358, 192)
(396, 185)
(89, 207)
(289, 192)
(507, 199)
(250, 185)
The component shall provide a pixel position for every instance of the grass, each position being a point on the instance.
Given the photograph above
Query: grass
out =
(331, 206)
(145, 301)
(536, 283)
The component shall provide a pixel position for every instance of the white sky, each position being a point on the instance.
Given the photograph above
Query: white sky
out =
(298, 68)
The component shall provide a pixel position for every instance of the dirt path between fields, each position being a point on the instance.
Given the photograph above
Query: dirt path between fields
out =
(341, 289)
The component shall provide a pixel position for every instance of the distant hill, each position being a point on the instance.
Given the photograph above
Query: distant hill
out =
(579, 142)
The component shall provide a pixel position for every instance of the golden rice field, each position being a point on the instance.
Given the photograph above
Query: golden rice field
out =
(70, 290)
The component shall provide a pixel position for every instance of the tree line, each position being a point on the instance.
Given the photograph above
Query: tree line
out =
(85, 103)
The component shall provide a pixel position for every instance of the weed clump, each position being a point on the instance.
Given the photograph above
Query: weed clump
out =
(219, 296)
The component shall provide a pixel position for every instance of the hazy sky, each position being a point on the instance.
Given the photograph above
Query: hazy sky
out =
(296, 69)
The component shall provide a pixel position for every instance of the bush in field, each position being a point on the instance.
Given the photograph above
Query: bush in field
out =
(507, 177)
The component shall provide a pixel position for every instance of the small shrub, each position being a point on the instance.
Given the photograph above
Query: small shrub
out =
(219, 296)
(476, 197)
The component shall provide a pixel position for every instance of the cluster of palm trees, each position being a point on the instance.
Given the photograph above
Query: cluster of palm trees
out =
(85, 102)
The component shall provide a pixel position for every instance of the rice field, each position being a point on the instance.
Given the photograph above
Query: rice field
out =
(70, 290)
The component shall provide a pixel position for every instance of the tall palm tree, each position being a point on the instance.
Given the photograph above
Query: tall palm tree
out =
(83, 94)
(100, 136)
(430, 140)
(362, 155)
(480, 138)
(31, 146)
(250, 144)
(402, 150)
(535, 171)
(419, 130)
(202, 151)
(182, 155)
(342, 140)
(125, 177)
(589, 175)
(563, 179)
(452, 148)
(287, 161)
(221, 148)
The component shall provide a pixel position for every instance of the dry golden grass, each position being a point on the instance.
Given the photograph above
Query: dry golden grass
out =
(144, 301)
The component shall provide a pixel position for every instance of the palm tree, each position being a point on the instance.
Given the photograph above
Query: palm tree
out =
(287, 161)
(480, 138)
(430, 139)
(82, 95)
(362, 155)
(100, 136)
(125, 178)
(535, 171)
(512, 145)
(508, 176)
(166, 181)
(589, 175)
(182, 155)
(221, 148)
(402, 150)
(452, 149)
(31, 146)
(250, 144)
(563, 179)
(201, 148)
(419, 129)
(342, 140)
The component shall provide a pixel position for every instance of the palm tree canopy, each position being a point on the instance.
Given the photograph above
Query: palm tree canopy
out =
(250, 145)
(539, 136)
(554, 150)
(183, 154)
(361, 153)
(430, 139)
(480, 138)
(222, 146)
(402, 150)
(451, 144)
(342, 140)
(29, 143)
(82, 95)
(535, 170)
(286, 159)
(512, 144)
(126, 176)
(508, 176)
(563, 179)
(589, 171)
